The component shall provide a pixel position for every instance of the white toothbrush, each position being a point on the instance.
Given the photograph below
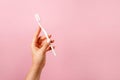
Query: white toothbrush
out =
(38, 21)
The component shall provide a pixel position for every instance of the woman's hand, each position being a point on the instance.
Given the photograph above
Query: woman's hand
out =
(39, 48)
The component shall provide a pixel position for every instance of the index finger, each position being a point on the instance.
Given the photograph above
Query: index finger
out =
(36, 35)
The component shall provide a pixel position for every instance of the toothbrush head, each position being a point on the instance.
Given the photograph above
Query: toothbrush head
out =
(37, 17)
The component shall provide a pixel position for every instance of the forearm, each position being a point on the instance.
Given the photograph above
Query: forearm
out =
(34, 73)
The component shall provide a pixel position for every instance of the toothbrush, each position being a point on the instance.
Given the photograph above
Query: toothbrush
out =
(38, 21)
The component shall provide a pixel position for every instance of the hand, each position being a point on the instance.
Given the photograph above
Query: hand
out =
(39, 48)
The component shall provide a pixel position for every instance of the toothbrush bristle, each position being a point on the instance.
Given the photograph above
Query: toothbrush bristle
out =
(37, 17)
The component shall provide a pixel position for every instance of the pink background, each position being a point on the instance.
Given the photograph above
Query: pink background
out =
(86, 33)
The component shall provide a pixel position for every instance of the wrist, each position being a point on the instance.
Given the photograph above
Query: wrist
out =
(36, 67)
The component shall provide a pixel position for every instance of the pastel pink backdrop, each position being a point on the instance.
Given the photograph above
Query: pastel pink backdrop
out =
(86, 33)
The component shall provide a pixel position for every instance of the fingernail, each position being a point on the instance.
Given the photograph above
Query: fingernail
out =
(50, 35)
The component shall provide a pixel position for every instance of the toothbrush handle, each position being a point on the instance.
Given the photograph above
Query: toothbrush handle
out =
(47, 38)
(53, 50)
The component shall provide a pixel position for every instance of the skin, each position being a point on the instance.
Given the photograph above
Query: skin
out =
(39, 48)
